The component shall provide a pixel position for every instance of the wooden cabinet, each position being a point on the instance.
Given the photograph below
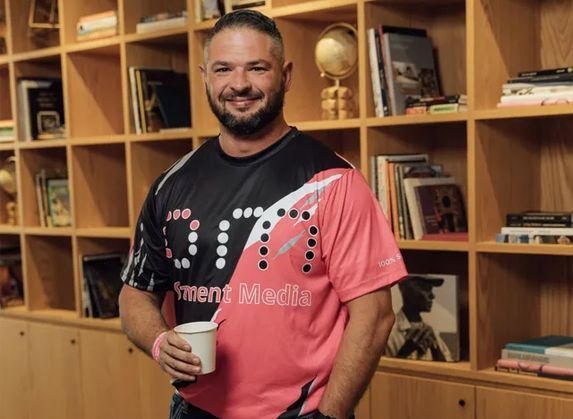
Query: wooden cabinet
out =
(397, 397)
(55, 376)
(120, 381)
(14, 382)
(502, 404)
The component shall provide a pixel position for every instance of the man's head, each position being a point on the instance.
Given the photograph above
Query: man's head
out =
(417, 294)
(244, 72)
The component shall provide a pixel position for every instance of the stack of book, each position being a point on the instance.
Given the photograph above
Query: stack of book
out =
(403, 70)
(53, 198)
(545, 356)
(162, 21)
(537, 227)
(437, 105)
(537, 88)
(7, 131)
(98, 25)
(420, 200)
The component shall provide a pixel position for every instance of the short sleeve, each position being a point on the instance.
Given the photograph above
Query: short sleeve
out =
(147, 268)
(358, 246)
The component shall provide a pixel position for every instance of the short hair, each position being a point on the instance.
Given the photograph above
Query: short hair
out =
(250, 19)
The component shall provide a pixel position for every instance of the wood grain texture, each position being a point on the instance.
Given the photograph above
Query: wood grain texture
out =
(14, 369)
(502, 404)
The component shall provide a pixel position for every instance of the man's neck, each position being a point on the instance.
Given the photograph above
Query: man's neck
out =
(236, 146)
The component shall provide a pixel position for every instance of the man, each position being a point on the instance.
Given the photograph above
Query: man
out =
(411, 337)
(271, 235)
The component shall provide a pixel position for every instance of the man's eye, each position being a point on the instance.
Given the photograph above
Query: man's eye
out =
(258, 69)
(221, 70)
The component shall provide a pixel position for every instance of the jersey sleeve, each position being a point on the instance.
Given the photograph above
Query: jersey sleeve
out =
(358, 246)
(147, 267)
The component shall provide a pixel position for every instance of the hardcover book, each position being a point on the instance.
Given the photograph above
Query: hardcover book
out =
(427, 320)
(58, 195)
(102, 275)
(548, 345)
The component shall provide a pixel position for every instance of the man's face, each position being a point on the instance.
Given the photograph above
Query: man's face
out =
(245, 80)
(418, 294)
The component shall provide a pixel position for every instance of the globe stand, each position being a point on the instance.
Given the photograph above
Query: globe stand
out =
(337, 59)
(337, 102)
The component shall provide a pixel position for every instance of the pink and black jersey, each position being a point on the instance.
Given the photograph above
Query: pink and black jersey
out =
(268, 246)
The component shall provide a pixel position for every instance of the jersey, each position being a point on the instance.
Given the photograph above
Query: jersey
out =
(270, 247)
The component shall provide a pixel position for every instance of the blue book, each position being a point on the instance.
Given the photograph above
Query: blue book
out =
(548, 345)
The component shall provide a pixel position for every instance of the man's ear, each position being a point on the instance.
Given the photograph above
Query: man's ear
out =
(287, 74)
(203, 72)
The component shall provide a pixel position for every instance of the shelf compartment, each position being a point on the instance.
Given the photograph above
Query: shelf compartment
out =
(517, 36)
(521, 165)
(301, 32)
(5, 95)
(74, 9)
(525, 112)
(445, 144)
(7, 200)
(100, 186)
(451, 263)
(148, 160)
(417, 119)
(345, 142)
(11, 271)
(169, 52)
(25, 39)
(94, 92)
(520, 297)
(49, 273)
(135, 10)
(445, 23)
(95, 246)
(48, 66)
(53, 161)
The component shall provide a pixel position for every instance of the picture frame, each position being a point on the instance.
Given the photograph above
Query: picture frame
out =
(59, 202)
(43, 14)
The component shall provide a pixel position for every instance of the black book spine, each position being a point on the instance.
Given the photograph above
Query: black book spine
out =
(539, 220)
(547, 72)
(566, 77)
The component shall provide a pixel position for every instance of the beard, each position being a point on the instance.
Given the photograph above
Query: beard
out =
(244, 126)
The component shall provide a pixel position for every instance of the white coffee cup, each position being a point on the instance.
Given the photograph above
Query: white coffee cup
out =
(202, 336)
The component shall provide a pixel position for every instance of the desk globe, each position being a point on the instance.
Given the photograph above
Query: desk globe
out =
(336, 56)
(8, 185)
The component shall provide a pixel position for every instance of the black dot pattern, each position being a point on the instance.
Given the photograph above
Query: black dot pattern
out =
(311, 242)
(266, 225)
(305, 215)
(293, 213)
(313, 230)
(263, 265)
(309, 255)
(265, 237)
(307, 268)
(263, 250)
(281, 212)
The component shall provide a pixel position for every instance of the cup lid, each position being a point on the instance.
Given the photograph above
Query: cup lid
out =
(196, 327)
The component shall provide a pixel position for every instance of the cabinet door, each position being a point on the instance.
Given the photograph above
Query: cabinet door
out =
(397, 397)
(109, 376)
(155, 390)
(55, 381)
(503, 404)
(14, 378)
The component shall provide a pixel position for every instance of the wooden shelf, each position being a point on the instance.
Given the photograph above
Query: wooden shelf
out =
(30, 145)
(161, 36)
(9, 145)
(525, 249)
(10, 229)
(62, 317)
(522, 380)
(37, 54)
(327, 125)
(458, 369)
(318, 10)
(105, 232)
(449, 246)
(174, 134)
(417, 119)
(48, 231)
(524, 112)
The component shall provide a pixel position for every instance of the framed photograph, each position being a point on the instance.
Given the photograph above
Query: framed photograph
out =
(59, 202)
(43, 14)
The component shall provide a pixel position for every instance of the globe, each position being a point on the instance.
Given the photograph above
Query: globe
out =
(336, 52)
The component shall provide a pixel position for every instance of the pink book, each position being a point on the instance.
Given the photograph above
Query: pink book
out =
(542, 369)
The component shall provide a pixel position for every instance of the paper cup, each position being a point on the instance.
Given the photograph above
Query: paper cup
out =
(202, 336)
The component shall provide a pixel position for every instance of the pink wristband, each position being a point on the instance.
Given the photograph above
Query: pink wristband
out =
(155, 347)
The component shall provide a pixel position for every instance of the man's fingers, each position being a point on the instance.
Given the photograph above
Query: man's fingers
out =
(176, 374)
(179, 365)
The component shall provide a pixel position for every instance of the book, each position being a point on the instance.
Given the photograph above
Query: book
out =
(538, 231)
(377, 89)
(546, 72)
(539, 219)
(435, 299)
(533, 368)
(58, 196)
(97, 34)
(160, 25)
(555, 360)
(102, 273)
(246, 4)
(96, 24)
(98, 16)
(11, 286)
(174, 103)
(410, 69)
(41, 108)
(163, 16)
(547, 345)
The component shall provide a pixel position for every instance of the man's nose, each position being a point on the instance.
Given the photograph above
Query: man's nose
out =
(240, 81)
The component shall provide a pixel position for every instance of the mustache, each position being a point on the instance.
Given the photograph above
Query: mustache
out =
(242, 96)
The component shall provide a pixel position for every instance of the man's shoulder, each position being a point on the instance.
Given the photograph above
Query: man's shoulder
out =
(309, 147)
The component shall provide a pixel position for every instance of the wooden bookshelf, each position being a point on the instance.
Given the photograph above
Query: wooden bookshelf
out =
(506, 160)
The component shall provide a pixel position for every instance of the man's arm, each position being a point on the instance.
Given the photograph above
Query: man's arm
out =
(370, 322)
(142, 322)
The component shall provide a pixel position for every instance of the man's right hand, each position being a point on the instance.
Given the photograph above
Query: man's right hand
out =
(177, 359)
